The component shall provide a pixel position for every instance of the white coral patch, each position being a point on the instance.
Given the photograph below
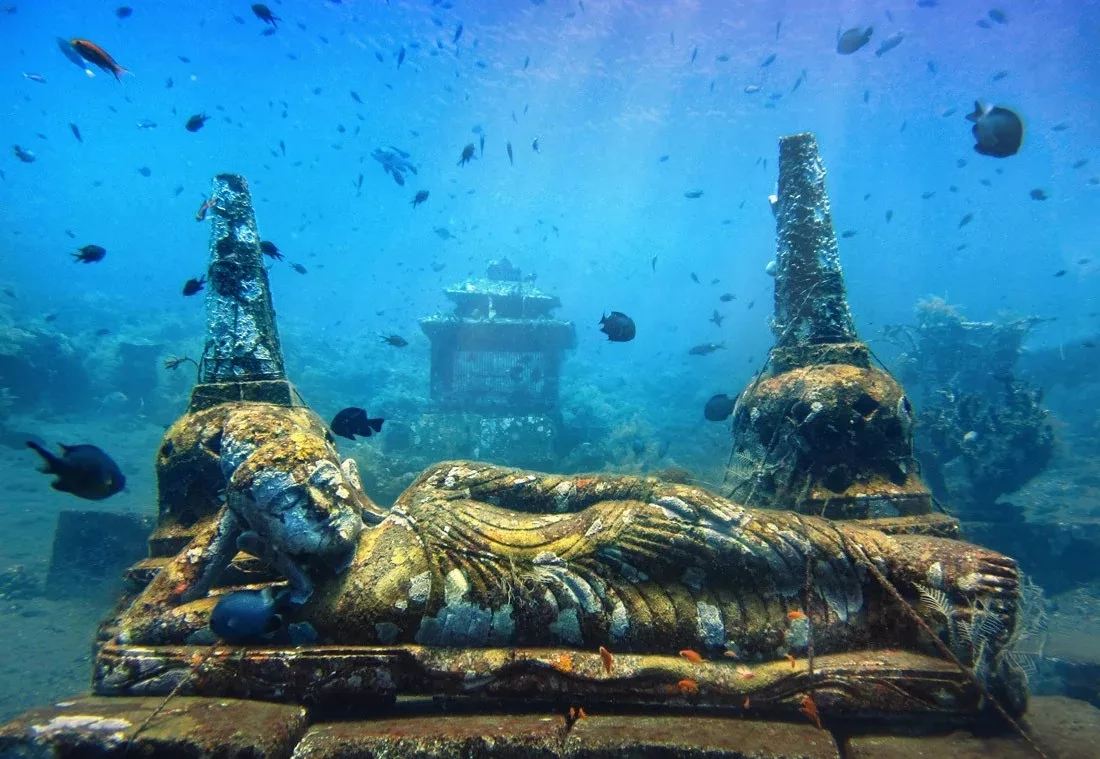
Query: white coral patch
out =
(420, 587)
(711, 629)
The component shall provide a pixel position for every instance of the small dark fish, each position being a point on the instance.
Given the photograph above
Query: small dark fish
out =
(1080, 163)
(354, 421)
(76, 132)
(270, 250)
(853, 39)
(511, 162)
(889, 216)
(193, 286)
(618, 327)
(717, 318)
(694, 55)
(849, 233)
(25, 156)
(400, 56)
(90, 254)
(146, 124)
(998, 131)
(1060, 127)
(727, 297)
(419, 198)
(706, 348)
(999, 75)
(195, 123)
(535, 145)
(1060, 273)
(927, 194)
(395, 340)
(102, 332)
(889, 44)
(124, 11)
(467, 155)
(663, 159)
(982, 23)
(282, 147)
(695, 278)
(998, 16)
(355, 97)
(1038, 194)
(966, 220)
(299, 268)
(247, 616)
(93, 53)
(145, 171)
(653, 263)
(481, 144)
(693, 194)
(83, 470)
(768, 61)
(526, 62)
(719, 408)
(458, 35)
(35, 77)
(723, 58)
(264, 14)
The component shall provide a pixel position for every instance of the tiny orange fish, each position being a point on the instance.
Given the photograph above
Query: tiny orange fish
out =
(731, 654)
(794, 614)
(746, 704)
(608, 659)
(691, 656)
(580, 713)
(93, 53)
(576, 713)
(688, 686)
(206, 206)
(792, 660)
(745, 673)
(809, 708)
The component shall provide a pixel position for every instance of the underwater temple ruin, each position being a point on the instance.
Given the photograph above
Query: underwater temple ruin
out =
(817, 611)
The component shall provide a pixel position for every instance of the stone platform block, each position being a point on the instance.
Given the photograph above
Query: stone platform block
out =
(1062, 728)
(689, 737)
(471, 736)
(185, 729)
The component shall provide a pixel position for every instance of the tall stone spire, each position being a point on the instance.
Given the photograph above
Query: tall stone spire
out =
(242, 358)
(811, 306)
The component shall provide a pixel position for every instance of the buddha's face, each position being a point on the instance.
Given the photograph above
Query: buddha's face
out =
(316, 523)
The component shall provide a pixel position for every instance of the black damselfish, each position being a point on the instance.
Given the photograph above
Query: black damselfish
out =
(618, 327)
(354, 421)
(83, 470)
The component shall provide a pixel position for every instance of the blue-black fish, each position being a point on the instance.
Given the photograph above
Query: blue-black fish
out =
(719, 408)
(247, 616)
(195, 123)
(998, 131)
(354, 421)
(83, 470)
(76, 132)
(853, 39)
(193, 286)
(264, 14)
(618, 327)
(89, 254)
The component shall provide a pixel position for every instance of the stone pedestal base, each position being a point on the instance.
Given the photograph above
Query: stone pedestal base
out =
(423, 728)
